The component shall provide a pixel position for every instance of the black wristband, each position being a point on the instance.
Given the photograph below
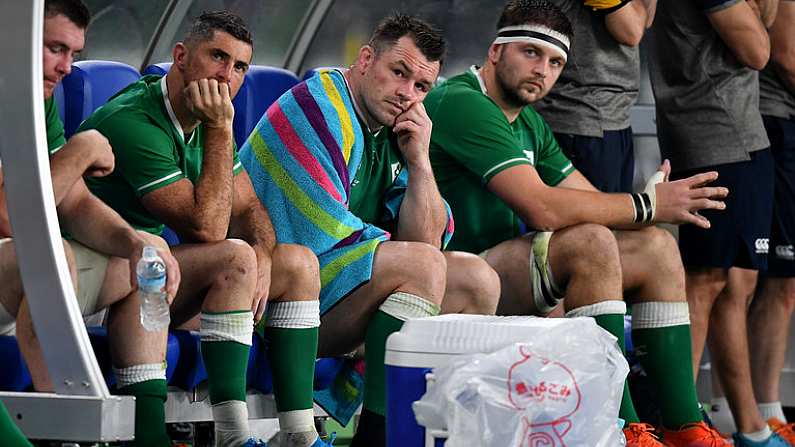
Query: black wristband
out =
(641, 202)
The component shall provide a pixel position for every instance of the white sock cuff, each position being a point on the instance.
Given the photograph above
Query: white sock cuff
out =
(297, 421)
(404, 306)
(772, 410)
(609, 307)
(139, 373)
(230, 326)
(759, 436)
(658, 314)
(293, 314)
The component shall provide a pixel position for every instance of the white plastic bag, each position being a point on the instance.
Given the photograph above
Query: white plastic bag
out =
(562, 388)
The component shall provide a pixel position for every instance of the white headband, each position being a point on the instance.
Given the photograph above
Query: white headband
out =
(537, 34)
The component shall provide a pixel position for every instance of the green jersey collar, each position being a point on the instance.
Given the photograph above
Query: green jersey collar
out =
(171, 114)
(475, 70)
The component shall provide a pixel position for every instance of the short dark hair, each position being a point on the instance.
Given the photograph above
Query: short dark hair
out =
(74, 10)
(540, 12)
(425, 36)
(209, 22)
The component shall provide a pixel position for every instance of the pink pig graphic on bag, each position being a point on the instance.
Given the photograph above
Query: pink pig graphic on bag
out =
(535, 381)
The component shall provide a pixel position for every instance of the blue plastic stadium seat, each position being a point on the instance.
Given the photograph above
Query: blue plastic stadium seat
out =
(259, 375)
(89, 86)
(170, 236)
(190, 367)
(14, 375)
(262, 86)
(157, 69)
(101, 345)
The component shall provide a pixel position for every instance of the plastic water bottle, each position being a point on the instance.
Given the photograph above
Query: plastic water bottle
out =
(151, 272)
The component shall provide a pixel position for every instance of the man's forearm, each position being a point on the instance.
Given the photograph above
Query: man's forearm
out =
(66, 166)
(213, 190)
(628, 23)
(96, 225)
(254, 226)
(423, 216)
(566, 207)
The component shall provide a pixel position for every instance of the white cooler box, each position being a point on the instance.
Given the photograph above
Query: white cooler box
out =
(427, 343)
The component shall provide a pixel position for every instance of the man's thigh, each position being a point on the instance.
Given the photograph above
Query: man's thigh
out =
(343, 327)
(98, 283)
(527, 282)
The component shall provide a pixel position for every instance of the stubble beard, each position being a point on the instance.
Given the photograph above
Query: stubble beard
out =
(510, 93)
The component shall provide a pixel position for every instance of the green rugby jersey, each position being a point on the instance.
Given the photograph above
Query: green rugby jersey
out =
(150, 148)
(55, 133)
(381, 163)
(472, 141)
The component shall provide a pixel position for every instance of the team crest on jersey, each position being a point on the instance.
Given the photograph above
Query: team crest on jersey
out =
(396, 167)
(531, 155)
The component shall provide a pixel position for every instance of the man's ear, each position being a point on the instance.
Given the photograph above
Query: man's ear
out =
(180, 55)
(495, 53)
(365, 59)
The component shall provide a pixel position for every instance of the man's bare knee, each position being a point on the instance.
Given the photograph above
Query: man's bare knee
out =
(298, 267)
(237, 264)
(476, 282)
(587, 246)
(424, 268)
(660, 248)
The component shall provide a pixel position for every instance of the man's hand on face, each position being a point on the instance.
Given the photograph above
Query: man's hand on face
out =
(96, 151)
(211, 102)
(413, 129)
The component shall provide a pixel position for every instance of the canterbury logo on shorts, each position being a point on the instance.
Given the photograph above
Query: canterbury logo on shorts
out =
(762, 246)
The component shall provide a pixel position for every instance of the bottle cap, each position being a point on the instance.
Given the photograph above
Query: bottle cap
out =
(149, 252)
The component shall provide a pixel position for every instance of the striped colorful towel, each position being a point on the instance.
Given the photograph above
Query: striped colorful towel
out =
(302, 157)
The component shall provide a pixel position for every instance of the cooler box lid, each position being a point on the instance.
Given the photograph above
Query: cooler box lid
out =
(456, 334)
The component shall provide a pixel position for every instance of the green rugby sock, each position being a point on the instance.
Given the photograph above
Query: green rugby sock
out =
(9, 432)
(226, 363)
(291, 354)
(389, 318)
(381, 326)
(661, 335)
(150, 414)
(614, 324)
(609, 315)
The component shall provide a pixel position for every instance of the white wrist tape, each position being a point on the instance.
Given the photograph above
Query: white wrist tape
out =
(645, 203)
